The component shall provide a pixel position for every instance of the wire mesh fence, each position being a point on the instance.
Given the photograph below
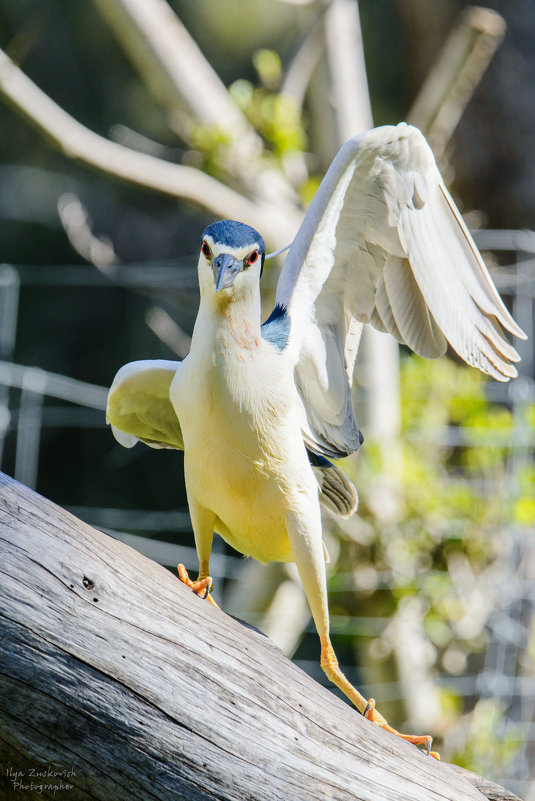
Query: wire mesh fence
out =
(496, 689)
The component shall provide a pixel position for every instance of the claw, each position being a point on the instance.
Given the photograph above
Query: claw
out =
(201, 587)
(370, 713)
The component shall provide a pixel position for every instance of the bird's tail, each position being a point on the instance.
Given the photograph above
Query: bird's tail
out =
(337, 492)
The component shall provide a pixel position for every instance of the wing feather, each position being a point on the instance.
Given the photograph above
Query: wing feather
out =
(139, 407)
(384, 308)
(476, 337)
(383, 243)
(416, 325)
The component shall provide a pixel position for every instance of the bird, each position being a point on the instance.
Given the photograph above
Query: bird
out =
(261, 409)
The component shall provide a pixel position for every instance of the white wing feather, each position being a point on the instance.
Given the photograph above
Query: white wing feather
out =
(139, 408)
(383, 243)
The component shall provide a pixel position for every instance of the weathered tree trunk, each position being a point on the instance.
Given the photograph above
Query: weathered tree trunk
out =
(116, 682)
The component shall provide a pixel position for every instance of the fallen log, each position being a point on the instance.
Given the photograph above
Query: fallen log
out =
(117, 682)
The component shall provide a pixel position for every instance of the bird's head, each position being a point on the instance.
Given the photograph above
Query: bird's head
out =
(231, 259)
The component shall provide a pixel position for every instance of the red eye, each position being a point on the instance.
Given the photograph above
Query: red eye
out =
(206, 252)
(253, 257)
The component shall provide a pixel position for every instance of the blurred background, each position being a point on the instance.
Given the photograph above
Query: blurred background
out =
(126, 126)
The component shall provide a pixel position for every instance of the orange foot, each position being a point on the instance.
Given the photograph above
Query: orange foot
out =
(201, 587)
(372, 714)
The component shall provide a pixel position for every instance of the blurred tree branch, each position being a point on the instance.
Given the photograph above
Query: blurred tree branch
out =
(347, 70)
(453, 78)
(301, 68)
(77, 224)
(173, 67)
(183, 81)
(80, 143)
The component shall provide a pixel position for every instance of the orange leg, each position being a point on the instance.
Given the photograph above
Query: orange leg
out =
(202, 587)
(416, 739)
(332, 670)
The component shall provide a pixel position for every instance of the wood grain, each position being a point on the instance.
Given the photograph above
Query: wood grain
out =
(119, 680)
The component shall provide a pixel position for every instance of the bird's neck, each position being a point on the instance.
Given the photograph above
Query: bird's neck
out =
(231, 321)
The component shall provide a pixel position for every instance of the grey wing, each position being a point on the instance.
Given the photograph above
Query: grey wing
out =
(139, 408)
(383, 243)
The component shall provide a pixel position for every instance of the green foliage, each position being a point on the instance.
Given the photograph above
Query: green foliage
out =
(454, 451)
(308, 189)
(275, 116)
(209, 148)
(434, 509)
(269, 68)
(483, 748)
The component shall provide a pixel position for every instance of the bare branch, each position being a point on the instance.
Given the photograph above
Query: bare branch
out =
(345, 55)
(173, 67)
(54, 385)
(458, 70)
(78, 142)
(304, 63)
(77, 224)
(168, 331)
(162, 695)
(180, 77)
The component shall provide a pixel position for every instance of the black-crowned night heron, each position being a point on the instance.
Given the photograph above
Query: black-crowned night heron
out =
(259, 409)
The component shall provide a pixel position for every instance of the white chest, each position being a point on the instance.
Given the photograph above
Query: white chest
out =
(244, 455)
(235, 390)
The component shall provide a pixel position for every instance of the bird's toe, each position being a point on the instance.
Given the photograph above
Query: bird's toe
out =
(201, 587)
(371, 713)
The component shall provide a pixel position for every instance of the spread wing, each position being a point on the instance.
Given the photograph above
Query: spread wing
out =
(383, 243)
(139, 408)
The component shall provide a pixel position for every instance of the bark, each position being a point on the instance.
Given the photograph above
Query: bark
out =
(116, 682)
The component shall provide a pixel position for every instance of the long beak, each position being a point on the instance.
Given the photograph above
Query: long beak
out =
(225, 268)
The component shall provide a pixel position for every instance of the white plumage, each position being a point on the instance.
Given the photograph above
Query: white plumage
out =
(258, 408)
